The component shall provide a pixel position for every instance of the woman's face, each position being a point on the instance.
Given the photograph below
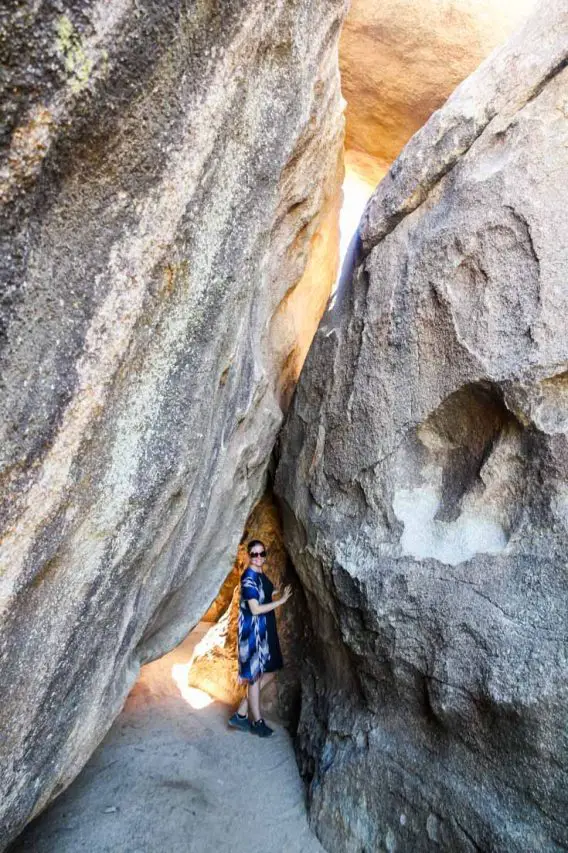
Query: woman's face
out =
(257, 556)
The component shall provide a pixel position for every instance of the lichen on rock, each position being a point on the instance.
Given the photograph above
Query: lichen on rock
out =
(77, 64)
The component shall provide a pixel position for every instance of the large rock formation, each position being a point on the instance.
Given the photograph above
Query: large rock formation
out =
(424, 481)
(401, 59)
(164, 168)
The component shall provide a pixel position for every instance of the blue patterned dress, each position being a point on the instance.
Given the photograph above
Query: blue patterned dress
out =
(254, 653)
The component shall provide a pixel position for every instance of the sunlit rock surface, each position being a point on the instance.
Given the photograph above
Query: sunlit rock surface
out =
(424, 474)
(165, 169)
(399, 62)
(401, 59)
(294, 324)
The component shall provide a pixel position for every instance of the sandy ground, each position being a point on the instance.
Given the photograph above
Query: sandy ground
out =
(170, 777)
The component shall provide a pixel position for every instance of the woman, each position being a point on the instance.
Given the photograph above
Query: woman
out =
(258, 646)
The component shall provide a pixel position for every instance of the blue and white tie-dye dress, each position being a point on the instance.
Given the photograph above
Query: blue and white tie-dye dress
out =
(254, 653)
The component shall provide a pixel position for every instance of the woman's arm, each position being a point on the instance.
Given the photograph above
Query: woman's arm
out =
(256, 609)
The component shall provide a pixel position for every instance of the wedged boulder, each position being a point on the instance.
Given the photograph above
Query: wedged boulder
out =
(165, 170)
(401, 59)
(423, 478)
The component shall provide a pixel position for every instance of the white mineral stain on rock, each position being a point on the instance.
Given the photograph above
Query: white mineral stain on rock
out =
(560, 505)
(450, 542)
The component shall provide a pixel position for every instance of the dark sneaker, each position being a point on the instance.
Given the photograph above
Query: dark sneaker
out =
(261, 729)
(242, 723)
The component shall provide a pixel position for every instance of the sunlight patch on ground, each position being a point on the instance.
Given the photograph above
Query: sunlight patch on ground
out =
(197, 699)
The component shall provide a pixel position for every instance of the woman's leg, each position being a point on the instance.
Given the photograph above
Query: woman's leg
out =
(264, 682)
(254, 699)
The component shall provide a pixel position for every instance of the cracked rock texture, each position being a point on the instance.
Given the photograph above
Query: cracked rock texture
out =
(424, 482)
(165, 171)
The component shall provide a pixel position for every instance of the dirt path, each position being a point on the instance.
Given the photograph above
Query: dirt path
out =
(170, 777)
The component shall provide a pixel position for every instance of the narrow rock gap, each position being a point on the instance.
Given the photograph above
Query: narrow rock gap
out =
(170, 773)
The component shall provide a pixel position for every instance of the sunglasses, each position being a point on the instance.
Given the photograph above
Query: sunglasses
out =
(258, 553)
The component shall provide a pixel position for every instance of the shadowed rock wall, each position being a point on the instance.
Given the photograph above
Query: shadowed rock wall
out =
(423, 477)
(163, 171)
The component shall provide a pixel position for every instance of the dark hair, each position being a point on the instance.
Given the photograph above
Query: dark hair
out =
(254, 542)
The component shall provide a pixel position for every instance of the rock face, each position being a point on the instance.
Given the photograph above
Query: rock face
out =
(401, 59)
(423, 477)
(163, 172)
